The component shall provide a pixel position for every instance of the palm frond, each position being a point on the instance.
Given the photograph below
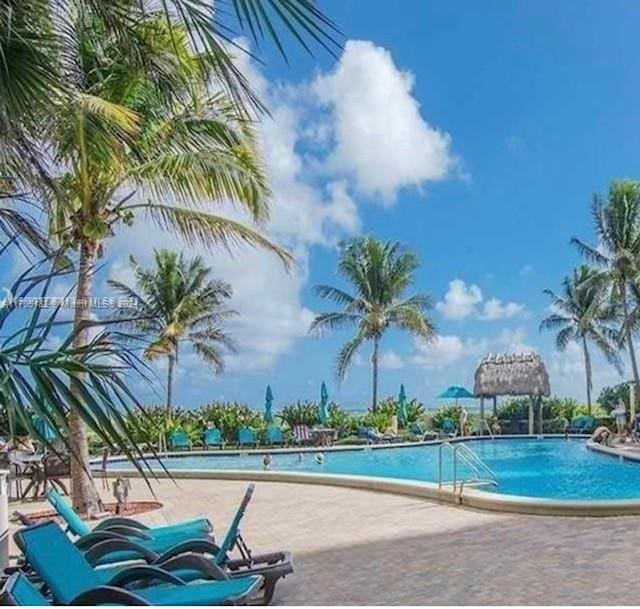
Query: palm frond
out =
(199, 228)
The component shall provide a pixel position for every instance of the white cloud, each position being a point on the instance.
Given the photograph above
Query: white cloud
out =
(380, 136)
(314, 167)
(525, 270)
(390, 360)
(567, 373)
(445, 350)
(513, 341)
(496, 309)
(462, 301)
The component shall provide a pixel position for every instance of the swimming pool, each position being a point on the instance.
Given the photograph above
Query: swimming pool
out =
(549, 468)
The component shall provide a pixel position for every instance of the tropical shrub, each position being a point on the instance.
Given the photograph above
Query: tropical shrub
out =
(301, 413)
(387, 408)
(446, 412)
(228, 417)
(149, 422)
(610, 397)
(345, 422)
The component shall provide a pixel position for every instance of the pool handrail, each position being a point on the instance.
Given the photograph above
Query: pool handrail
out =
(471, 459)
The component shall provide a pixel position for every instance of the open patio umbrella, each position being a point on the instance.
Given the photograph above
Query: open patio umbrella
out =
(268, 401)
(323, 409)
(456, 392)
(402, 406)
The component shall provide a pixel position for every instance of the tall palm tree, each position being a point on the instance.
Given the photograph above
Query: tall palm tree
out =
(585, 313)
(177, 302)
(380, 274)
(110, 92)
(617, 224)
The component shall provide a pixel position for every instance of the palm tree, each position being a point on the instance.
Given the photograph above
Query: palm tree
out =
(36, 374)
(177, 302)
(111, 93)
(380, 274)
(617, 224)
(584, 313)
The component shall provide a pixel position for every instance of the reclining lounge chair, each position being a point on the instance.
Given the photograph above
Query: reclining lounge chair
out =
(73, 581)
(158, 539)
(272, 566)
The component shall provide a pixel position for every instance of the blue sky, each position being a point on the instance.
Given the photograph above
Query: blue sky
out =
(475, 133)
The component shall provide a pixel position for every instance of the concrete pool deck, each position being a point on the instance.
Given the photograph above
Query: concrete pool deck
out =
(361, 547)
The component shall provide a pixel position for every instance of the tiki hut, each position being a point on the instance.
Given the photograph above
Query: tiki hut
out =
(512, 374)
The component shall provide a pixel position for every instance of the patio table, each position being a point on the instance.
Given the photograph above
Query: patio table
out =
(323, 436)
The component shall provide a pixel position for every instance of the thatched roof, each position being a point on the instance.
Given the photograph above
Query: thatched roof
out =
(511, 374)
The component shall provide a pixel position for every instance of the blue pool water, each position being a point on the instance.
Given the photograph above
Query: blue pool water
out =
(551, 468)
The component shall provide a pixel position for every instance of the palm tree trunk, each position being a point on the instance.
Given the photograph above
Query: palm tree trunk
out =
(629, 339)
(587, 368)
(83, 490)
(374, 362)
(170, 366)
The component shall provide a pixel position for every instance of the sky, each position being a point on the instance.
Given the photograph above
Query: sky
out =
(474, 132)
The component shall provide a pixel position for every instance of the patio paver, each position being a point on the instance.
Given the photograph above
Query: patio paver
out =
(360, 547)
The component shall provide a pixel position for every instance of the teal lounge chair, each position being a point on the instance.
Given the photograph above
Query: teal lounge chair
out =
(157, 539)
(448, 427)
(179, 440)
(247, 437)
(582, 425)
(213, 438)
(73, 581)
(274, 436)
(271, 566)
(18, 591)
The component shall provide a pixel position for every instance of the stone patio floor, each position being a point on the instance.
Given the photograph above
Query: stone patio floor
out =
(357, 547)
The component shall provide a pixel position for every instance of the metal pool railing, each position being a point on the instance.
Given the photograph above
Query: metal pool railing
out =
(482, 473)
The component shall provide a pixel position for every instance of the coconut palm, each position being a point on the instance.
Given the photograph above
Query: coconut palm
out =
(36, 372)
(380, 274)
(584, 313)
(111, 93)
(177, 302)
(38, 48)
(617, 224)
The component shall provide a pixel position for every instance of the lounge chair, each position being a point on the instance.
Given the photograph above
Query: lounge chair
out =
(247, 437)
(18, 591)
(73, 581)
(448, 427)
(582, 425)
(179, 440)
(212, 438)
(274, 436)
(370, 434)
(272, 566)
(302, 434)
(157, 539)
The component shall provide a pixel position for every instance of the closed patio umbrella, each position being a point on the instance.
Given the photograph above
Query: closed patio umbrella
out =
(402, 406)
(323, 409)
(268, 401)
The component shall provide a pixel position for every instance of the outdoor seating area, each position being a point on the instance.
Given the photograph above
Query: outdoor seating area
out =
(181, 563)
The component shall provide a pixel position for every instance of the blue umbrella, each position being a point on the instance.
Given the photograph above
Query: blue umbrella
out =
(44, 429)
(456, 392)
(268, 401)
(402, 406)
(323, 409)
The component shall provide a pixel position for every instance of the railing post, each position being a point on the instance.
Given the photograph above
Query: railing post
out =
(455, 467)
(4, 519)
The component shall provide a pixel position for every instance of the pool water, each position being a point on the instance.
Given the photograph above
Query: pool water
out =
(549, 468)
